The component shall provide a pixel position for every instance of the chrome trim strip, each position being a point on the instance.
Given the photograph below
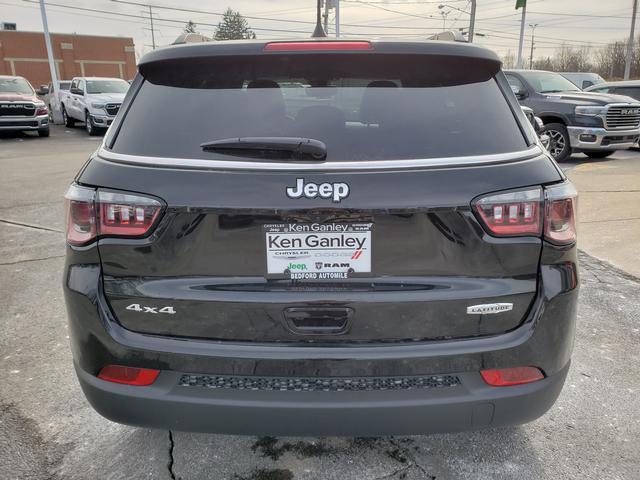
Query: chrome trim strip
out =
(201, 164)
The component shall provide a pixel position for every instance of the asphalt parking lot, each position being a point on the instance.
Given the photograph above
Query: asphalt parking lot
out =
(48, 430)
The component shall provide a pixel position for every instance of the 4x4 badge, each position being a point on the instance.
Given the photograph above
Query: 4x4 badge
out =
(335, 191)
(489, 308)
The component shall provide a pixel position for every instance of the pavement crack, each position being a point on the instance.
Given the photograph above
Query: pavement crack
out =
(171, 459)
(30, 225)
(413, 461)
(17, 262)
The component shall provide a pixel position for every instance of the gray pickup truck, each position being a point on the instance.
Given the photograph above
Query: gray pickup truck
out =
(576, 121)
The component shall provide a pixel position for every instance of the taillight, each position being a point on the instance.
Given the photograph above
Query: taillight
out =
(512, 213)
(125, 214)
(532, 211)
(507, 377)
(81, 215)
(560, 213)
(139, 377)
(92, 213)
(317, 46)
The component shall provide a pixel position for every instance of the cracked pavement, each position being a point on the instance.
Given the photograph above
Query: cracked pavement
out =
(48, 430)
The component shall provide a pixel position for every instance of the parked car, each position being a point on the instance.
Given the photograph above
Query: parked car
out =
(630, 88)
(95, 101)
(576, 121)
(538, 126)
(51, 96)
(395, 256)
(20, 107)
(582, 79)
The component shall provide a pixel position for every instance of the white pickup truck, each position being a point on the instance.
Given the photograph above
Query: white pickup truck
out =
(94, 101)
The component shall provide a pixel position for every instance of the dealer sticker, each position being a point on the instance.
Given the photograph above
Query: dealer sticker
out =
(318, 251)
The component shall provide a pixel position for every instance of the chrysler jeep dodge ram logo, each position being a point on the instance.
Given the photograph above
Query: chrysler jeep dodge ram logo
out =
(335, 191)
(630, 111)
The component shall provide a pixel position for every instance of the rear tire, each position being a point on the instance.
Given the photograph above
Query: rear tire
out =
(91, 129)
(43, 132)
(66, 119)
(559, 145)
(599, 154)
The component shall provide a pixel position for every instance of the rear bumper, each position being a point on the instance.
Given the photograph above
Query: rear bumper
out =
(467, 406)
(24, 123)
(587, 138)
(544, 340)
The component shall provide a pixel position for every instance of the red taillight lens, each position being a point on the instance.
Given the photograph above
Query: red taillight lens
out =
(126, 215)
(92, 213)
(512, 213)
(523, 212)
(81, 215)
(560, 213)
(139, 377)
(316, 46)
(506, 377)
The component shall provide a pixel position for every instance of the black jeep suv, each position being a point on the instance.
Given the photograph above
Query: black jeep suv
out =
(328, 238)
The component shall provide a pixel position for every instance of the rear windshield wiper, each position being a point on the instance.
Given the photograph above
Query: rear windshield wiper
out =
(272, 148)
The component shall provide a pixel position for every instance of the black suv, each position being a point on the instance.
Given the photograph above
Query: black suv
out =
(328, 238)
(596, 124)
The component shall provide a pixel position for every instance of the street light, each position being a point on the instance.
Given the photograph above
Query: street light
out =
(472, 19)
(444, 17)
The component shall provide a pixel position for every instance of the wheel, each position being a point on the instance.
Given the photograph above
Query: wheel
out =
(89, 126)
(43, 132)
(599, 153)
(66, 119)
(559, 145)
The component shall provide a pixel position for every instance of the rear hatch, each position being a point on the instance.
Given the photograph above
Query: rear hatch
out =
(376, 243)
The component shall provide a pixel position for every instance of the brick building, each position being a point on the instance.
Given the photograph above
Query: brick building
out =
(25, 54)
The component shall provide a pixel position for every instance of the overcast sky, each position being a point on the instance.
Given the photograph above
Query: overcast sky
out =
(584, 22)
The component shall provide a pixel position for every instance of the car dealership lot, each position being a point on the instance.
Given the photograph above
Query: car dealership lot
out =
(47, 428)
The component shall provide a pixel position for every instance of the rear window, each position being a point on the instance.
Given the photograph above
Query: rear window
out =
(363, 107)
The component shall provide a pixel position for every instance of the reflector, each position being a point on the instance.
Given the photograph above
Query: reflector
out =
(139, 377)
(506, 377)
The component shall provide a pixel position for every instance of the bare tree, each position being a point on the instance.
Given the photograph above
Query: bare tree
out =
(509, 60)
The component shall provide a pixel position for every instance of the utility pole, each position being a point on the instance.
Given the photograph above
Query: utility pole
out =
(627, 60)
(47, 41)
(153, 33)
(444, 19)
(319, 31)
(533, 41)
(336, 6)
(325, 15)
(472, 21)
(519, 63)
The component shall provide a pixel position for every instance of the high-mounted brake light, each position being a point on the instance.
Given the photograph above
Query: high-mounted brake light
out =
(507, 377)
(316, 46)
(92, 213)
(139, 377)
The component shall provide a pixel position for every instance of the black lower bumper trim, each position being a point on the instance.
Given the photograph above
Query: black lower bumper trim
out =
(332, 384)
(469, 405)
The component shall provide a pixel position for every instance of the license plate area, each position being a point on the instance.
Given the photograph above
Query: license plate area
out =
(318, 251)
